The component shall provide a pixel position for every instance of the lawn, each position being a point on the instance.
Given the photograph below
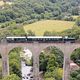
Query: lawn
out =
(75, 17)
(48, 25)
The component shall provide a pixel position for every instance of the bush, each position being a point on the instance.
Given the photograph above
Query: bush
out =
(14, 62)
(75, 75)
(11, 77)
(78, 21)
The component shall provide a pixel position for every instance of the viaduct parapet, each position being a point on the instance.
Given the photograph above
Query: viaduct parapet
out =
(36, 48)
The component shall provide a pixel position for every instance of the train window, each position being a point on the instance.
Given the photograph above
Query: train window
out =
(44, 39)
(26, 39)
(38, 39)
(34, 39)
(49, 38)
(12, 38)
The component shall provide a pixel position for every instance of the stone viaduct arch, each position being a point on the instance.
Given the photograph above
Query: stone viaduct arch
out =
(36, 48)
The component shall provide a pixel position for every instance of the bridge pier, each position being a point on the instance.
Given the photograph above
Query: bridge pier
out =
(66, 68)
(36, 67)
(36, 51)
(36, 48)
(5, 65)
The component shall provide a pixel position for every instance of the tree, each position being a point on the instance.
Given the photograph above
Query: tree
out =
(2, 18)
(14, 62)
(47, 33)
(75, 75)
(53, 1)
(78, 76)
(43, 62)
(30, 33)
(75, 11)
(38, 8)
(51, 61)
(78, 21)
(76, 56)
(11, 77)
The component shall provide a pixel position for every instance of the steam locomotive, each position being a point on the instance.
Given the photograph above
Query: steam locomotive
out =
(40, 39)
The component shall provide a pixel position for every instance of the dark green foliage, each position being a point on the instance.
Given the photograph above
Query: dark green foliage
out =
(53, 1)
(78, 76)
(76, 56)
(25, 10)
(0, 56)
(74, 32)
(75, 75)
(47, 33)
(30, 33)
(68, 18)
(11, 77)
(53, 33)
(78, 21)
(75, 11)
(51, 63)
(43, 62)
(11, 30)
(2, 18)
(14, 62)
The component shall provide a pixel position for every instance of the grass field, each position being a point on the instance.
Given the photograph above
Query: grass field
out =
(48, 25)
(75, 17)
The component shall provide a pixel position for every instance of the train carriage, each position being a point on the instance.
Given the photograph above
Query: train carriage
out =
(45, 38)
(40, 39)
(16, 39)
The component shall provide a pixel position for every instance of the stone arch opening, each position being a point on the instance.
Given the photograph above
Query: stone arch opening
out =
(51, 63)
(0, 66)
(21, 62)
(75, 64)
(75, 56)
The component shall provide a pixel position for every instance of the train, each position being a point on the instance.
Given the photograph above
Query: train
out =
(40, 39)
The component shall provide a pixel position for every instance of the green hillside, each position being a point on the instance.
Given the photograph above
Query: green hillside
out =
(30, 10)
(48, 25)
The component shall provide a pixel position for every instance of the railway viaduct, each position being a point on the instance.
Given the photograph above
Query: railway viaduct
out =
(36, 48)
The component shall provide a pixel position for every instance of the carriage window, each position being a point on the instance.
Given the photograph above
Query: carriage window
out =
(38, 38)
(45, 38)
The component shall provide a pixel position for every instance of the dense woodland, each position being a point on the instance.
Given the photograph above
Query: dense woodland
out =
(51, 63)
(32, 10)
